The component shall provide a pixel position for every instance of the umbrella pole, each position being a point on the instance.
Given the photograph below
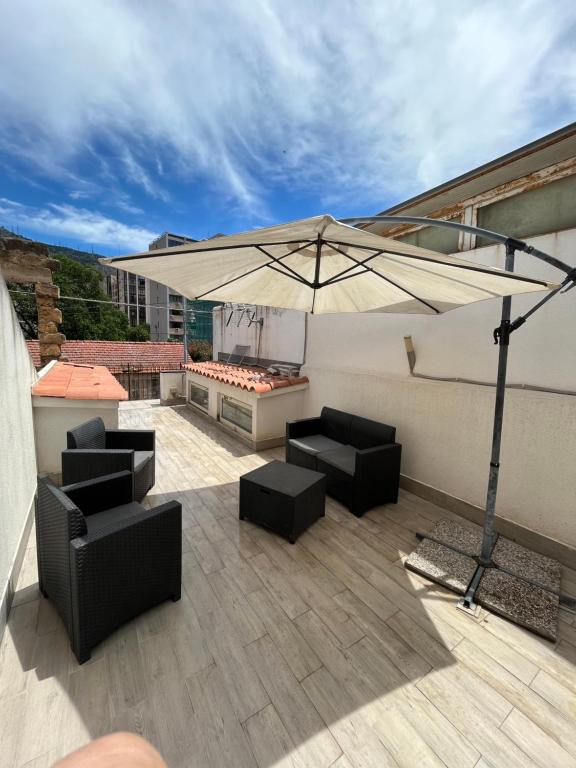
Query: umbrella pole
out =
(501, 337)
(489, 536)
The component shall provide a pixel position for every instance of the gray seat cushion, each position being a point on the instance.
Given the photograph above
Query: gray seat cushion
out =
(343, 458)
(141, 458)
(314, 444)
(123, 512)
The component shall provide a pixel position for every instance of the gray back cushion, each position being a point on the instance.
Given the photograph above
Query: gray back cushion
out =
(365, 433)
(91, 434)
(336, 424)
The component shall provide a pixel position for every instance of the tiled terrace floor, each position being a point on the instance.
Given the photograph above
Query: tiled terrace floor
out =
(326, 653)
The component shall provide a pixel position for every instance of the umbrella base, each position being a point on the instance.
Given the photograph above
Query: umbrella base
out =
(518, 584)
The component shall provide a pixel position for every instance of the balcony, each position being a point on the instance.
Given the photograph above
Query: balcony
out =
(324, 653)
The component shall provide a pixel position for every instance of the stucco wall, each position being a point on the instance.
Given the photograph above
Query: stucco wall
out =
(282, 334)
(17, 457)
(358, 363)
(171, 380)
(54, 416)
(270, 410)
(459, 343)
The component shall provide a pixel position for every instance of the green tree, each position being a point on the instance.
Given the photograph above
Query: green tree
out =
(80, 319)
(138, 332)
(87, 320)
(200, 351)
(25, 306)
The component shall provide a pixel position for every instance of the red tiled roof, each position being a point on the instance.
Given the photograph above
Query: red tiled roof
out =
(79, 382)
(156, 355)
(246, 377)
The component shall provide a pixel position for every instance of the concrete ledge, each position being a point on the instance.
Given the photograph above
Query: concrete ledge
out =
(518, 533)
(173, 401)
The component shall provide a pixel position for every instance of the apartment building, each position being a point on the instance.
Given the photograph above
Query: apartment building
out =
(146, 301)
(129, 293)
(167, 312)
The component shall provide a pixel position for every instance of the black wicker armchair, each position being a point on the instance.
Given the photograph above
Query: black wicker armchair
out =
(94, 450)
(102, 558)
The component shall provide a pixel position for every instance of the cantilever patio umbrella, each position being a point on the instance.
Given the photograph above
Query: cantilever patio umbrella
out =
(321, 265)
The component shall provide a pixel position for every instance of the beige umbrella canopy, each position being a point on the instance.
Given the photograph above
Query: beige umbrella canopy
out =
(320, 265)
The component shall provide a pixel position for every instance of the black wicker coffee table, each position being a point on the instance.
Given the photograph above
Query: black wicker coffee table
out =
(283, 497)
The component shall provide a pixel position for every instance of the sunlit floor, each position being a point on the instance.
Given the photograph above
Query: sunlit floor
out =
(326, 653)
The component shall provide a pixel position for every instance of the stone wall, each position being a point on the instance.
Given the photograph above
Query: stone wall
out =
(24, 261)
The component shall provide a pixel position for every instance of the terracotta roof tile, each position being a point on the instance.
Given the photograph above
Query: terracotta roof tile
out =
(79, 382)
(250, 378)
(155, 355)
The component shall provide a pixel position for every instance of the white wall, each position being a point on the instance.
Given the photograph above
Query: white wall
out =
(170, 380)
(282, 334)
(17, 456)
(270, 410)
(459, 343)
(358, 363)
(54, 416)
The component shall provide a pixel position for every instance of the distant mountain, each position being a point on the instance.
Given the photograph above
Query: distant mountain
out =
(85, 257)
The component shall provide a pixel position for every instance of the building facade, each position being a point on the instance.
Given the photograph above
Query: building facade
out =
(130, 294)
(161, 307)
(167, 310)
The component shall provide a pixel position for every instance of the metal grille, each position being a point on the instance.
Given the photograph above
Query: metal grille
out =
(141, 383)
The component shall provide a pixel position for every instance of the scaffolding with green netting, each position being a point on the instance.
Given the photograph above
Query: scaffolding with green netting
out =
(199, 319)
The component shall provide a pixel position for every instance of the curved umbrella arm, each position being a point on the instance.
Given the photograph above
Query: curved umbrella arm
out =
(518, 245)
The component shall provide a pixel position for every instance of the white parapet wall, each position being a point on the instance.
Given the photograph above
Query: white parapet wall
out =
(17, 455)
(280, 336)
(54, 416)
(66, 395)
(172, 386)
(446, 430)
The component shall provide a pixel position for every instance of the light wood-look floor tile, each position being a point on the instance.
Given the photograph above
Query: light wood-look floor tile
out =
(326, 653)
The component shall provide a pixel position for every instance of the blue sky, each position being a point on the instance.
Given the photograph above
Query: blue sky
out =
(124, 118)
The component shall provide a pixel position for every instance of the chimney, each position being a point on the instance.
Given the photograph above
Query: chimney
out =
(24, 261)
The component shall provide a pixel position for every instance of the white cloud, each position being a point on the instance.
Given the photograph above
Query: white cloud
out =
(79, 194)
(349, 101)
(138, 175)
(77, 224)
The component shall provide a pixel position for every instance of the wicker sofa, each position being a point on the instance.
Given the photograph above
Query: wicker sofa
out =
(94, 450)
(359, 457)
(103, 558)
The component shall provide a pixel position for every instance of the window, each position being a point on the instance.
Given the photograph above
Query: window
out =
(547, 209)
(198, 395)
(434, 238)
(236, 413)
